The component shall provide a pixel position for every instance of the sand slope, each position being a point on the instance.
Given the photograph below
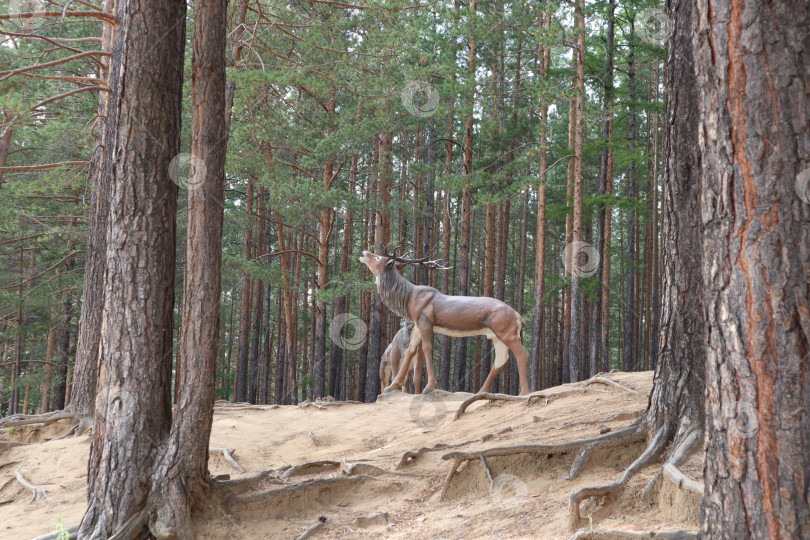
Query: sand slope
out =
(366, 495)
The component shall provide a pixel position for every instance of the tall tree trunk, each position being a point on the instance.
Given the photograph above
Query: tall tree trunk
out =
(753, 102)
(537, 378)
(85, 371)
(45, 385)
(575, 333)
(676, 401)
(181, 482)
(255, 343)
(630, 278)
(597, 352)
(133, 407)
(241, 383)
(63, 347)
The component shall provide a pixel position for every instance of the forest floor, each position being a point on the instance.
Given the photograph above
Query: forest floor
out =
(362, 488)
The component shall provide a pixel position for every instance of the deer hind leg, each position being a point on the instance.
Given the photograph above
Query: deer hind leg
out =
(522, 357)
(416, 367)
(501, 356)
(404, 366)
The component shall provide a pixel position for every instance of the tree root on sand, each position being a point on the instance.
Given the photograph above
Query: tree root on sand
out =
(310, 467)
(70, 532)
(671, 470)
(530, 400)
(619, 437)
(312, 528)
(655, 447)
(413, 455)
(604, 380)
(227, 453)
(37, 492)
(623, 416)
(586, 534)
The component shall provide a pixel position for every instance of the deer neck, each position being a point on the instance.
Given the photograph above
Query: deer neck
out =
(395, 292)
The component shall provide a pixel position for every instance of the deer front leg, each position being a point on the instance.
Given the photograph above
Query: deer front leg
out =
(426, 330)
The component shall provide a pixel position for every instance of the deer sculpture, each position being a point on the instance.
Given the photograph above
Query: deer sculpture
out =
(394, 355)
(456, 316)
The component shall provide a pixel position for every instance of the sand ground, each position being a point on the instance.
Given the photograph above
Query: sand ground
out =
(369, 494)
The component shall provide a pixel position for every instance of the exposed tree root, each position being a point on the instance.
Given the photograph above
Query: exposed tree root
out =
(312, 528)
(242, 406)
(561, 448)
(71, 533)
(5, 445)
(585, 534)
(413, 455)
(30, 419)
(671, 470)
(227, 453)
(655, 447)
(308, 490)
(7, 463)
(38, 492)
(373, 470)
(132, 528)
(314, 439)
(604, 380)
(623, 416)
(489, 397)
(241, 485)
(530, 400)
(587, 451)
(380, 518)
(310, 467)
(323, 403)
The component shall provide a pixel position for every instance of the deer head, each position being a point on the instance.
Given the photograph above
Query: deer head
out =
(377, 263)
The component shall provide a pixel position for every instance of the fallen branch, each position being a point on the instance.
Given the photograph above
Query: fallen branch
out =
(314, 439)
(312, 528)
(227, 453)
(653, 450)
(586, 534)
(38, 492)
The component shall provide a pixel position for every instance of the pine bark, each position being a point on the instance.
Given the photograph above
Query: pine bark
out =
(133, 407)
(241, 383)
(752, 74)
(629, 277)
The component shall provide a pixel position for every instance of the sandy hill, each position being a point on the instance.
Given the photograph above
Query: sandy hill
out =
(381, 470)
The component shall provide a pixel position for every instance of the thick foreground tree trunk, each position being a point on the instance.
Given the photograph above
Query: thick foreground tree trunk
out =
(129, 480)
(753, 65)
(676, 401)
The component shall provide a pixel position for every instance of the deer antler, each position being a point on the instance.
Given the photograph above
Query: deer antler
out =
(436, 264)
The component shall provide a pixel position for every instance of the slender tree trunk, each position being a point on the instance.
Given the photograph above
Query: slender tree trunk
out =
(63, 347)
(85, 372)
(241, 383)
(133, 407)
(630, 279)
(575, 332)
(45, 385)
(753, 102)
(600, 306)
